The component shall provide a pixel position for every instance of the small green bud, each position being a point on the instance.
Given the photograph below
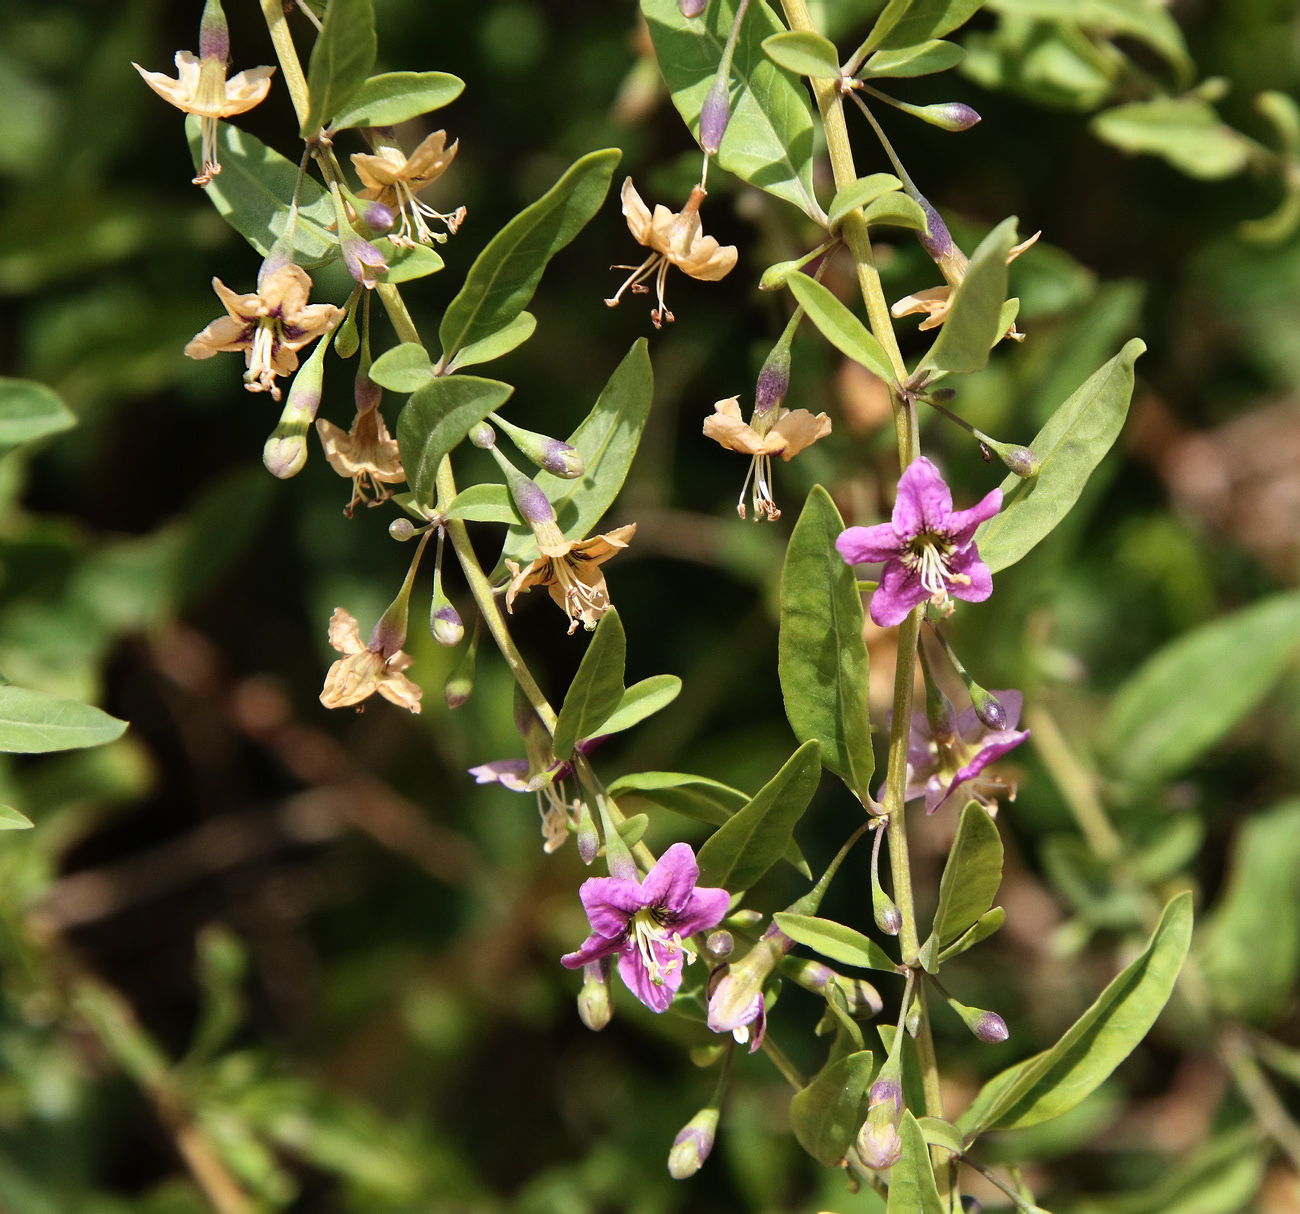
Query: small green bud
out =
(720, 943)
(482, 435)
(594, 1007)
(692, 1145)
(549, 454)
(401, 529)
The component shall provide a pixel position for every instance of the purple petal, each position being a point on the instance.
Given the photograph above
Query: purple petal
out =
(924, 502)
(502, 771)
(655, 995)
(703, 911)
(866, 545)
(670, 882)
(899, 591)
(594, 947)
(610, 902)
(961, 524)
(967, 564)
(994, 748)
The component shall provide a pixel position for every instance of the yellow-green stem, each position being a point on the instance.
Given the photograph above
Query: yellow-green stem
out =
(285, 51)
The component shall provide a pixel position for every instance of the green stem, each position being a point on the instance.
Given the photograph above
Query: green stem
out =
(285, 51)
(401, 320)
(783, 1064)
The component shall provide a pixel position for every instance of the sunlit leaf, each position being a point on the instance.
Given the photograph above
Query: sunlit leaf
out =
(341, 59)
(859, 193)
(639, 701)
(404, 368)
(1185, 131)
(29, 411)
(839, 326)
(973, 326)
(394, 97)
(827, 1114)
(496, 344)
(32, 722)
(835, 940)
(436, 418)
(921, 59)
(971, 877)
(596, 689)
(486, 503)
(11, 819)
(804, 53)
(912, 1189)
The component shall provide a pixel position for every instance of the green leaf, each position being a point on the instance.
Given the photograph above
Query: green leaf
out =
(926, 19)
(32, 722)
(839, 326)
(805, 54)
(822, 658)
(253, 191)
(827, 1114)
(695, 797)
(982, 929)
(769, 138)
(29, 410)
(11, 819)
(898, 211)
(496, 344)
(912, 1189)
(755, 838)
(596, 689)
(341, 60)
(504, 276)
(1158, 724)
(971, 877)
(406, 263)
(940, 1133)
(1069, 447)
(972, 327)
(487, 503)
(404, 368)
(1250, 953)
(1056, 1080)
(834, 940)
(921, 59)
(1185, 131)
(859, 194)
(436, 418)
(607, 439)
(639, 701)
(394, 97)
(631, 830)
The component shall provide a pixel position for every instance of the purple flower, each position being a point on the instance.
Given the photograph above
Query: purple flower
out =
(940, 768)
(647, 924)
(928, 548)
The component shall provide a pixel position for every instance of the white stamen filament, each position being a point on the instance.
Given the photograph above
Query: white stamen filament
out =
(260, 376)
(760, 472)
(648, 930)
(929, 557)
(581, 601)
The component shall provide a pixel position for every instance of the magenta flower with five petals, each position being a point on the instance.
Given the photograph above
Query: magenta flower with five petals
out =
(648, 923)
(928, 547)
(940, 769)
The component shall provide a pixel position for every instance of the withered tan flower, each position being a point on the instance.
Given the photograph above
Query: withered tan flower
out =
(677, 240)
(793, 430)
(367, 453)
(362, 671)
(935, 302)
(201, 88)
(570, 570)
(270, 325)
(393, 178)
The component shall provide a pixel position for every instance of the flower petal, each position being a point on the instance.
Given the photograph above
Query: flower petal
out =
(503, 771)
(899, 591)
(801, 429)
(593, 948)
(670, 882)
(866, 545)
(962, 523)
(655, 995)
(924, 501)
(968, 565)
(703, 911)
(610, 902)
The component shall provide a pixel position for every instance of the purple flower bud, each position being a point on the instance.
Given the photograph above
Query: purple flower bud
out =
(861, 999)
(692, 8)
(366, 393)
(483, 436)
(588, 839)
(941, 396)
(379, 218)
(593, 1000)
(533, 504)
(886, 1091)
(939, 244)
(214, 34)
(458, 688)
(990, 1027)
(692, 1145)
(948, 115)
(773, 380)
(365, 262)
(889, 918)
(720, 943)
(989, 710)
(878, 1143)
(714, 116)
(559, 459)
(401, 529)
(445, 624)
(1022, 461)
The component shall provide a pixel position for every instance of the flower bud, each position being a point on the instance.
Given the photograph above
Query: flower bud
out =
(990, 1027)
(364, 261)
(861, 999)
(946, 115)
(533, 505)
(214, 34)
(878, 1143)
(379, 218)
(692, 8)
(888, 917)
(939, 244)
(988, 708)
(745, 918)
(715, 114)
(593, 1000)
(285, 451)
(941, 396)
(720, 943)
(588, 838)
(737, 998)
(445, 623)
(460, 683)
(692, 1145)
(549, 454)
(1022, 461)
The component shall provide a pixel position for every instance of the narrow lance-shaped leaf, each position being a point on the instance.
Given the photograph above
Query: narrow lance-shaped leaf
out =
(897, 211)
(341, 60)
(394, 97)
(805, 54)
(496, 344)
(973, 326)
(436, 418)
(11, 819)
(639, 701)
(1155, 728)
(253, 191)
(740, 852)
(487, 503)
(859, 193)
(1053, 1082)
(32, 722)
(504, 276)
(912, 1189)
(923, 59)
(834, 940)
(597, 688)
(29, 410)
(839, 326)
(1068, 447)
(822, 658)
(827, 1114)
(971, 877)
(769, 138)
(926, 19)
(983, 927)
(607, 440)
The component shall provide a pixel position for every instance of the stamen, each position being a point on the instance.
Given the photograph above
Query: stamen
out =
(644, 270)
